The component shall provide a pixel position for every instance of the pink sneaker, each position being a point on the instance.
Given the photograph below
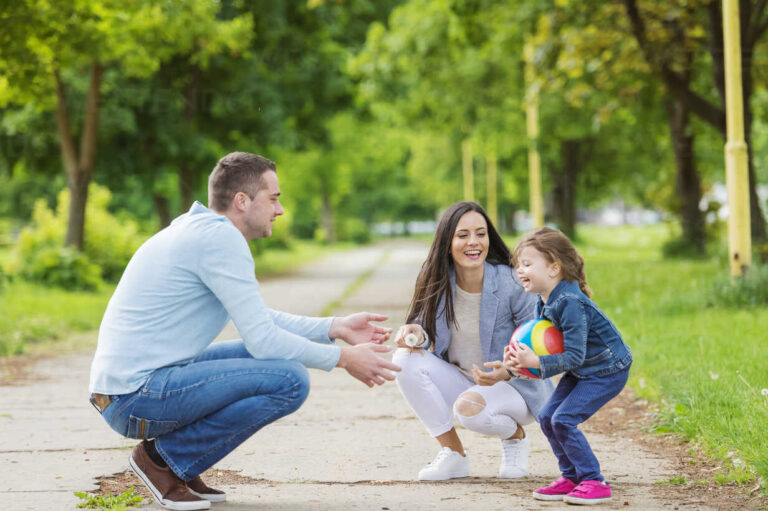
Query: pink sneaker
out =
(589, 492)
(556, 490)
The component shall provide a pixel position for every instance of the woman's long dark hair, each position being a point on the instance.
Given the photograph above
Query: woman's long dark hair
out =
(433, 283)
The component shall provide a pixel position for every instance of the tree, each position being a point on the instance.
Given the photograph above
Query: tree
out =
(655, 23)
(47, 44)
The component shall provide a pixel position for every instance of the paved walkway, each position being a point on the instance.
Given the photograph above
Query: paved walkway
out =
(348, 447)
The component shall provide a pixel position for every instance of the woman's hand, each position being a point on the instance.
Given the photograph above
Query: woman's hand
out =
(497, 373)
(406, 330)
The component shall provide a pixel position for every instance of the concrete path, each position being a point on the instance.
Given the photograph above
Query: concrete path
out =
(348, 447)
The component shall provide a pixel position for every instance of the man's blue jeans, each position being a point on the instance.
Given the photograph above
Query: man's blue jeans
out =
(574, 401)
(200, 412)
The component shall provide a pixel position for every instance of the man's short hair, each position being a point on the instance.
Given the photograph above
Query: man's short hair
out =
(236, 172)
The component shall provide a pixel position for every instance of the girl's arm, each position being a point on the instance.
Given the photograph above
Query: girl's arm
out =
(573, 324)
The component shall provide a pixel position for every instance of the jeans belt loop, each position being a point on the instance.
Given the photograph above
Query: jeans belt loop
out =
(100, 402)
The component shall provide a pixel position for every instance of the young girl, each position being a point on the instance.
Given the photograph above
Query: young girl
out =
(595, 361)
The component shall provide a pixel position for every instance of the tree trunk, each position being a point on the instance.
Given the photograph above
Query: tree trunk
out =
(757, 219)
(753, 26)
(564, 189)
(688, 184)
(163, 210)
(327, 212)
(186, 174)
(79, 170)
(186, 185)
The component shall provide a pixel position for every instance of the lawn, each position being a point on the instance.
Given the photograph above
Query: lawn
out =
(32, 314)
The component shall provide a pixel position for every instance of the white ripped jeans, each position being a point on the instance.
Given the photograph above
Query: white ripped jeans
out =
(433, 387)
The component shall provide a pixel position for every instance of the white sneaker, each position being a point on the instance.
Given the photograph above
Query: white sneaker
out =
(448, 464)
(514, 458)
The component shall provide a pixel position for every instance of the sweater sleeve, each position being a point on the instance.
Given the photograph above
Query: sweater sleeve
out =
(227, 269)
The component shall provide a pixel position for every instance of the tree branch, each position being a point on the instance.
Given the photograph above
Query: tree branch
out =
(756, 28)
(66, 143)
(674, 82)
(716, 48)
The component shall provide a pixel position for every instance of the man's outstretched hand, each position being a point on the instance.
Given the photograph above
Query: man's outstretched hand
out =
(358, 329)
(362, 363)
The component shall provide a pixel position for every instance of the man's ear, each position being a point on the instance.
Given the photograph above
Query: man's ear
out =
(240, 201)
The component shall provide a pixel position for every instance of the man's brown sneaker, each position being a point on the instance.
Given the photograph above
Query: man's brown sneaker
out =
(169, 491)
(202, 490)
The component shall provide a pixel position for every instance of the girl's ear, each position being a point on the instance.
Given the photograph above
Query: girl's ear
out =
(554, 270)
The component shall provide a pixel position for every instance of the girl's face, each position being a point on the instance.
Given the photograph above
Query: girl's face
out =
(536, 273)
(469, 246)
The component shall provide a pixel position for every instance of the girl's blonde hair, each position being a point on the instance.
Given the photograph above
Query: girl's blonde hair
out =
(557, 248)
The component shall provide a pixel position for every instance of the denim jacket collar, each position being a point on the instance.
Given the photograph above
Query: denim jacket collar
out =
(563, 287)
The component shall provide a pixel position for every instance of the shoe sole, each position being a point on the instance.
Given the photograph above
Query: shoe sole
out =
(212, 497)
(176, 506)
(516, 476)
(458, 476)
(549, 498)
(585, 502)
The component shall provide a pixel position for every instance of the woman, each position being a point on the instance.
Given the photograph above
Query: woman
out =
(466, 304)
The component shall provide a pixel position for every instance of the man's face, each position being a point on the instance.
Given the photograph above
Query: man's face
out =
(261, 211)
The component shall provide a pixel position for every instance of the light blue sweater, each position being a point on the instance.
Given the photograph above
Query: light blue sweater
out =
(176, 295)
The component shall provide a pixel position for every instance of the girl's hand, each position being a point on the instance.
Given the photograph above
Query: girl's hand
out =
(527, 358)
(512, 364)
(497, 373)
(405, 330)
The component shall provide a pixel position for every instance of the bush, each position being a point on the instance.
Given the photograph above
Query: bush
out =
(39, 254)
(353, 229)
(750, 290)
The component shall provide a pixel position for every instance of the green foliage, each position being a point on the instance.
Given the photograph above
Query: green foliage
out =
(39, 254)
(748, 291)
(110, 502)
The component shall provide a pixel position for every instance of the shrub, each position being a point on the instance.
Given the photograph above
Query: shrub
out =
(354, 229)
(750, 290)
(39, 254)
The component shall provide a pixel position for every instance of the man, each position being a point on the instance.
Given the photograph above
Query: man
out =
(158, 377)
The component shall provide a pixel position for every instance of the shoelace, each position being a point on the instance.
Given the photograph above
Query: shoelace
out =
(442, 454)
(510, 450)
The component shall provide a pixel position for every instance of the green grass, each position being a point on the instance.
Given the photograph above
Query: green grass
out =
(705, 366)
(125, 500)
(32, 313)
(276, 261)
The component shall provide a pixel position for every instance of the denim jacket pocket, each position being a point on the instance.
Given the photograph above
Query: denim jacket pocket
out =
(606, 354)
(143, 429)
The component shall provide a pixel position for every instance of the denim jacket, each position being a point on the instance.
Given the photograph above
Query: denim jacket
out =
(593, 345)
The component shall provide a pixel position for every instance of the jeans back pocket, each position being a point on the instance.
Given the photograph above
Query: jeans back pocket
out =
(144, 429)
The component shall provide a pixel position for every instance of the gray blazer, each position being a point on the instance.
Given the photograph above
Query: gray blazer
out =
(504, 305)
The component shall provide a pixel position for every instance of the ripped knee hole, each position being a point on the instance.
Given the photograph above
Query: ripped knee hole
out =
(470, 404)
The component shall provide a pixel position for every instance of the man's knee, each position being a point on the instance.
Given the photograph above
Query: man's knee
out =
(469, 404)
(298, 383)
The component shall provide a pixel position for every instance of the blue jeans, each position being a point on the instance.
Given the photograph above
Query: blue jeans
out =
(574, 401)
(200, 412)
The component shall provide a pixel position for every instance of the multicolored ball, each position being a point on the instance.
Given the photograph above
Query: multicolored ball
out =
(541, 336)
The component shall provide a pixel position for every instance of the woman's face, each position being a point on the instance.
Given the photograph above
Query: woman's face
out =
(469, 246)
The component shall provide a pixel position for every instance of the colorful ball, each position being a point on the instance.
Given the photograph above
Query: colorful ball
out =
(541, 336)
